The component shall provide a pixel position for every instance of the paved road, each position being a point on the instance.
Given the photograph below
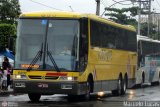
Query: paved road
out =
(141, 97)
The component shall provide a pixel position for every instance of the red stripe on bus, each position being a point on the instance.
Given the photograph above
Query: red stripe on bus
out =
(56, 74)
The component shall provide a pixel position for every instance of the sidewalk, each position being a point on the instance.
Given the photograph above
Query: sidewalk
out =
(6, 92)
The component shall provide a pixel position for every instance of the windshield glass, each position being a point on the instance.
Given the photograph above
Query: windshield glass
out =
(58, 37)
(62, 43)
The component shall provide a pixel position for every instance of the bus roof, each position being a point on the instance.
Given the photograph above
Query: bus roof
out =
(145, 38)
(74, 15)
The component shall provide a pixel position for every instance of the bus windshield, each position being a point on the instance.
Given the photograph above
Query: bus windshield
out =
(59, 38)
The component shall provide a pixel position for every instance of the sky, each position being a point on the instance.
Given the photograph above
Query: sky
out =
(82, 6)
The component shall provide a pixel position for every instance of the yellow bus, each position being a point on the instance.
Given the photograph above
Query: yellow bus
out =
(74, 54)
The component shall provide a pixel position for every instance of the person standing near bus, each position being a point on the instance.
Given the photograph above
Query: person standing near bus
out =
(6, 66)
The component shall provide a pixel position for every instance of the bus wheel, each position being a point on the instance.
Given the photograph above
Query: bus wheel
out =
(143, 78)
(159, 78)
(34, 97)
(156, 82)
(118, 91)
(85, 96)
(124, 85)
(88, 89)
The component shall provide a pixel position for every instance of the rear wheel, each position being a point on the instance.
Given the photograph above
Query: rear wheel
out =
(124, 86)
(159, 78)
(156, 82)
(118, 91)
(34, 97)
(143, 78)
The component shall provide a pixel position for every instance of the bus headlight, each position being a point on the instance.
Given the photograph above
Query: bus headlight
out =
(68, 78)
(19, 77)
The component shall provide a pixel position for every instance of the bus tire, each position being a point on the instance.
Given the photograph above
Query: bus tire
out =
(86, 96)
(143, 79)
(117, 91)
(34, 97)
(89, 88)
(156, 82)
(124, 85)
(159, 79)
(71, 98)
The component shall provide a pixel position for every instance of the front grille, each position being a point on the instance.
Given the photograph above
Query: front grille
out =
(35, 77)
(44, 77)
(51, 77)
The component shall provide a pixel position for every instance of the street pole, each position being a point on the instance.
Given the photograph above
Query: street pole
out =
(158, 28)
(139, 18)
(98, 7)
(149, 19)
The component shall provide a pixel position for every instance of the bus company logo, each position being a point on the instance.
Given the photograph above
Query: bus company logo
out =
(105, 55)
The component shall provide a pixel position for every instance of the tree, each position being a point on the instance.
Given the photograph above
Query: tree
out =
(9, 11)
(6, 31)
(120, 15)
(153, 32)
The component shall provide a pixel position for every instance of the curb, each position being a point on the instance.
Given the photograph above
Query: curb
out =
(6, 93)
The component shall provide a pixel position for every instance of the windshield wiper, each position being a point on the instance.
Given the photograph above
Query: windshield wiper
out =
(35, 59)
(52, 60)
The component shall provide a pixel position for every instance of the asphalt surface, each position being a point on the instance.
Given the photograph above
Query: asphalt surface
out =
(148, 96)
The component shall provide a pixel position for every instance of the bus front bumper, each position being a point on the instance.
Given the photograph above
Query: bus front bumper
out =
(45, 88)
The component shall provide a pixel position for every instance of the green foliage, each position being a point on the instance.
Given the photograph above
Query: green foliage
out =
(9, 11)
(127, 16)
(144, 28)
(120, 15)
(153, 32)
(6, 31)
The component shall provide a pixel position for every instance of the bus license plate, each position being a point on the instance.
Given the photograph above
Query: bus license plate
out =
(42, 85)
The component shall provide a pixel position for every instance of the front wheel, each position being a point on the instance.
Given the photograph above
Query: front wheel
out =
(87, 95)
(34, 97)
